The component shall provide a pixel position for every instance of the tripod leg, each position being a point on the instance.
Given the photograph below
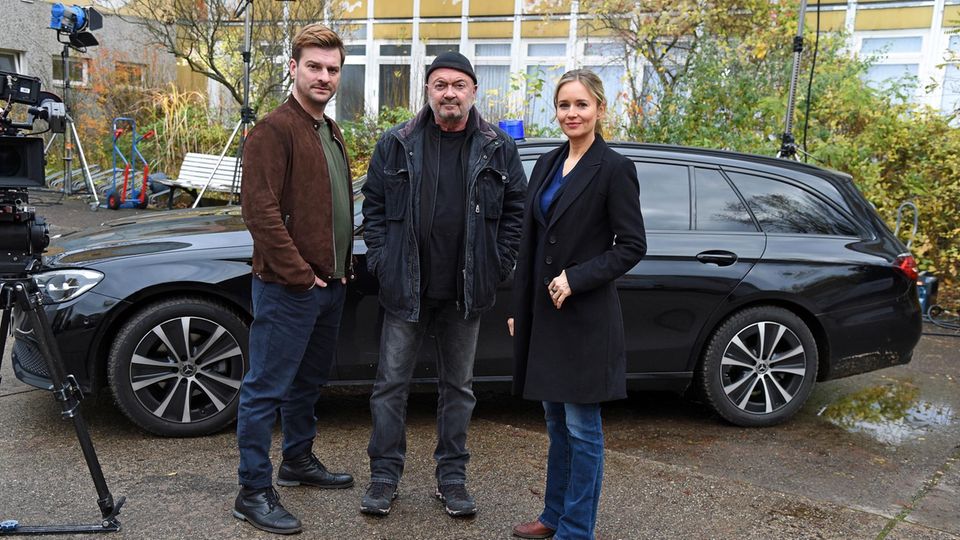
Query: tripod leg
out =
(67, 392)
(83, 162)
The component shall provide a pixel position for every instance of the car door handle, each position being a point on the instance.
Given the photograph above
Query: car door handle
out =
(717, 257)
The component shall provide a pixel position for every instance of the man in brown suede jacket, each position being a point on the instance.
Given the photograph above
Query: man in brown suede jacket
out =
(297, 204)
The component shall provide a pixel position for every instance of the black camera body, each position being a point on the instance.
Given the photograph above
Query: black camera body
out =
(23, 234)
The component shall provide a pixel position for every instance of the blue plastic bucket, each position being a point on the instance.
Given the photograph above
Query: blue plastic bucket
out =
(514, 128)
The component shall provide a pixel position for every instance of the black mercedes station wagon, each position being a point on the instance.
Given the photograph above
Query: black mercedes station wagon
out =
(762, 276)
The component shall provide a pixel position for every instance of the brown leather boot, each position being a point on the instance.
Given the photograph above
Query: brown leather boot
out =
(533, 529)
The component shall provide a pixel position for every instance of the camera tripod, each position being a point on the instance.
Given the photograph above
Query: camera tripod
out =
(23, 293)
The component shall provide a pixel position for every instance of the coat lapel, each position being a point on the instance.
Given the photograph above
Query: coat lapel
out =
(539, 181)
(580, 178)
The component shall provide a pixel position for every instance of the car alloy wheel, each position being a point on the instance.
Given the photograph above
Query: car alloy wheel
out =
(176, 367)
(760, 366)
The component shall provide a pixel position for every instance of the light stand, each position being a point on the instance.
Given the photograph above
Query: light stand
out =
(247, 116)
(788, 145)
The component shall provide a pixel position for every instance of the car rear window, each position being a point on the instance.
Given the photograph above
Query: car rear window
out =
(784, 208)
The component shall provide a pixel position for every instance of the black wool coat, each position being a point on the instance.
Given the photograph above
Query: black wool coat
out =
(594, 231)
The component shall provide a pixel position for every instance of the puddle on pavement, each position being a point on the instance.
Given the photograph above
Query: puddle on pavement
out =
(892, 413)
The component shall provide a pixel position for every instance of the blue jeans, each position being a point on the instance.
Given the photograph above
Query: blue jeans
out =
(456, 347)
(574, 469)
(293, 341)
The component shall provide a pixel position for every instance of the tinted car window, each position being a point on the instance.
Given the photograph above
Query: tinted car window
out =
(664, 196)
(718, 206)
(783, 208)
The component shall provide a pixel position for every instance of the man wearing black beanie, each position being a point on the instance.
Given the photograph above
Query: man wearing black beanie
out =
(443, 202)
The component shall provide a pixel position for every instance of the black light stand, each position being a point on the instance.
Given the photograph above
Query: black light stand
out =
(247, 116)
(22, 292)
(788, 145)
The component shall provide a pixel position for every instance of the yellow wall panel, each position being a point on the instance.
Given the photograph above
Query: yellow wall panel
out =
(392, 31)
(359, 10)
(830, 21)
(551, 7)
(440, 30)
(441, 8)
(490, 29)
(893, 18)
(491, 7)
(951, 16)
(534, 29)
(392, 9)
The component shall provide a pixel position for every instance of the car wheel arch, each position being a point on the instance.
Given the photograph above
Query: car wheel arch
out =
(131, 306)
(797, 308)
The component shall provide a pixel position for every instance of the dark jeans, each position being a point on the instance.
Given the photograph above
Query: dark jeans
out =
(574, 469)
(456, 348)
(293, 341)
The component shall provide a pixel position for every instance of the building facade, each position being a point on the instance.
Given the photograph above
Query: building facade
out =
(512, 43)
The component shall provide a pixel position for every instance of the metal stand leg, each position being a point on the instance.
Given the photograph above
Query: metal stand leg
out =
(26, 296)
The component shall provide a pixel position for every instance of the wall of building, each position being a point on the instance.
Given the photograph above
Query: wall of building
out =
(30, 47)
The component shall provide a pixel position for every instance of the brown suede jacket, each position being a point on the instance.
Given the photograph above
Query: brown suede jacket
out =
(286, 198)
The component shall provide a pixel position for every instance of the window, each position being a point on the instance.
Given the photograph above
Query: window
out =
(883, 74)
(606, 50)
(77, 68)
(8, 61)
(540, 110)
(493, 91)
(435, 49)
(891, 45)
(664, 196)
(394, 85)
(355, 50)
(784, 208)
(547, 49)
(493, 49)
(395, 50)
(718, 206)
(129, 74)
(350, 103)
(950, 100)
(612, 78)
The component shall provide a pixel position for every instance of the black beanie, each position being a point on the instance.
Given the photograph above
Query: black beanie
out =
(452, 60)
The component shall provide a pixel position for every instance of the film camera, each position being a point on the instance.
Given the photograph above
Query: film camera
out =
(23, 234)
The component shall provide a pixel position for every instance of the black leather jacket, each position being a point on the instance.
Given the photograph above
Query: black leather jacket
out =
(495, 187)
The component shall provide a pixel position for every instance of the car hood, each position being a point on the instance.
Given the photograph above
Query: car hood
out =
(147, 234)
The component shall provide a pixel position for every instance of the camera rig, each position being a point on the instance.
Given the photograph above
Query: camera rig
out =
(23, 238)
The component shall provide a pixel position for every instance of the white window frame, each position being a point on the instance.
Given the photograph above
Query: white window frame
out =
(918, 58)
(17, 59)
(504, 94)
(947, 60)
(84, 71)
(380, 60)
(551, 61)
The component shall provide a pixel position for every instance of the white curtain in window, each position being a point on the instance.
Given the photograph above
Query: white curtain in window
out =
(493, 92)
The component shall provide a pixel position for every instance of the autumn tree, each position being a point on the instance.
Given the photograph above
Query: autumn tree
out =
(209, 38)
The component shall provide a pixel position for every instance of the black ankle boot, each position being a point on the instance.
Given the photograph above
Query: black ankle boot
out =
(262, 509)
(306, 469)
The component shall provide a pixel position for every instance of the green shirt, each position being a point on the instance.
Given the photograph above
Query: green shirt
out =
(340, 194)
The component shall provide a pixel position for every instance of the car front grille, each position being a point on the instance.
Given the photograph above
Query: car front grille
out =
(27, 355)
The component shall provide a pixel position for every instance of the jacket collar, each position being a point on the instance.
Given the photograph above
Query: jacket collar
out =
(420, 122)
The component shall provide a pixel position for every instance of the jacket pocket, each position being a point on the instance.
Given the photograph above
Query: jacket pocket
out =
(396, 193)
(490, 186)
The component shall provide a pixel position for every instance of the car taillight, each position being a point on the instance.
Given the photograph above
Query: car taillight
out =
(908, 265)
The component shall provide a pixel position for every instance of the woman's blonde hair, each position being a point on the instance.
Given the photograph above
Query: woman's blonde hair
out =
(591, 82)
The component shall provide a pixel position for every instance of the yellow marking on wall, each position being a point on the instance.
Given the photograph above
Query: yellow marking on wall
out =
(830, 21)
(358, 11)
(478, 30)
(393, 9)
(551, 7)
(893, 18)
(491, 7)
(535, 29)
(441, 8)
(392, 31)
(951, 16)
(440, 30)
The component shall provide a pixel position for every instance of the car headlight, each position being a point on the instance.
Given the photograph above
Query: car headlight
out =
(61, 285)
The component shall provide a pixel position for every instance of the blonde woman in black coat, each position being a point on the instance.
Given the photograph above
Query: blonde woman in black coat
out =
(582, 230)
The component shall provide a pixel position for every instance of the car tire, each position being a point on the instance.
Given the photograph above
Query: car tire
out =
(175, 387)
(759, 366)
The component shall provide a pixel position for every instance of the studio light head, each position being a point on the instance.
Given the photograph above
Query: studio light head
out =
(75, 23)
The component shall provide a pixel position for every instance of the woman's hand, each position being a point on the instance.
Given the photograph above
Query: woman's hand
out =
(510, 326)
(559, 289)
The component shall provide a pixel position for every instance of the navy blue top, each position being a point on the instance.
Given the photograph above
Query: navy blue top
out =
(556, 182)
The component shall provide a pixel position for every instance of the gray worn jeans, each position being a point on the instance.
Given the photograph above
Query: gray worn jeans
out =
(456, 347)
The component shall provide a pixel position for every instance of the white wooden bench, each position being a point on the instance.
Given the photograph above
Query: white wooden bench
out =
(196, 171)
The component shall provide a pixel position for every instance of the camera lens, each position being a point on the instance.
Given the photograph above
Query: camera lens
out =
(10, 162)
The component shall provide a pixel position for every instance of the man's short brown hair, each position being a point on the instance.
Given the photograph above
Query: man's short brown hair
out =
(317, 35)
